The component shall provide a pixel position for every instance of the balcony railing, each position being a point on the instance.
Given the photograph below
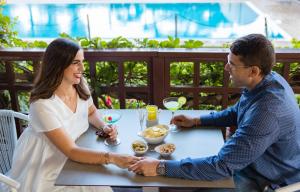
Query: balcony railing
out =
(15, 77)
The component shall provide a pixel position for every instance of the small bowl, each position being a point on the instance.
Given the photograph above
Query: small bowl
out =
(165, 149)
(139, 147)
(155, 134)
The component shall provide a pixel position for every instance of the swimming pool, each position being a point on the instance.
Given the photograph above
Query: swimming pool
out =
(141, 20)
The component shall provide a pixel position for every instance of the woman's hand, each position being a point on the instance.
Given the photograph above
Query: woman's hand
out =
(185, 121)
(112, 131)
(146, 167)
(123, 161)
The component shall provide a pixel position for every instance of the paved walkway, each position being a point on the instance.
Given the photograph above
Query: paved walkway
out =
(285, 13)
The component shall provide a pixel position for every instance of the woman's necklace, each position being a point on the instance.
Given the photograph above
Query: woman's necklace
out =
(70, 101)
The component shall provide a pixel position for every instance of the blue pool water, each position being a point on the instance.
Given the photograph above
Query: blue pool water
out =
(140, 20)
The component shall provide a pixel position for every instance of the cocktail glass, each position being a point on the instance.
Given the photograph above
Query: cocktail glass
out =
(172, 104)
(110, 118)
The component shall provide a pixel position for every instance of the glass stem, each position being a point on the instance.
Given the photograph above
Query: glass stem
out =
(173, 112)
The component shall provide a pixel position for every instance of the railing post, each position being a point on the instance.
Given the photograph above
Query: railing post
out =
(196, 83)
(158, 80)
(226, 81)
(11, 83)
(122, 94)
(93, 81)
(13, 92)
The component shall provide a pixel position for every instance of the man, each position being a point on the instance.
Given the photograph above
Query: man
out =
(265, 149)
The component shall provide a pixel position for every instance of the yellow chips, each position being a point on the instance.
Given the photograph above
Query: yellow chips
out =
(155, 131)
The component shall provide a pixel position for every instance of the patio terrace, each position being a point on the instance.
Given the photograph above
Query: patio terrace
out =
(16, 78)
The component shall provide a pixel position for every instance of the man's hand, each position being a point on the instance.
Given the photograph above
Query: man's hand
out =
(146, 167)
(185, 121)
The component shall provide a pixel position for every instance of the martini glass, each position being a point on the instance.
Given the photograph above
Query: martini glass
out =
(110, 118)
(172, 104)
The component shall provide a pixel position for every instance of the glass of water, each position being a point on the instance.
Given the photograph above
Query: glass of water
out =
(142, 115)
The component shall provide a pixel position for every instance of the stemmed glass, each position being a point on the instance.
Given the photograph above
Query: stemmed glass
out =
(111, 117)
(142, 116)
(172, 104)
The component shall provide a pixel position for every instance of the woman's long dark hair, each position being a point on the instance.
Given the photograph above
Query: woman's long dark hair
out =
(58, 56)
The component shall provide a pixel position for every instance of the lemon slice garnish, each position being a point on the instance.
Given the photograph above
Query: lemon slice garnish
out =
(181, 100)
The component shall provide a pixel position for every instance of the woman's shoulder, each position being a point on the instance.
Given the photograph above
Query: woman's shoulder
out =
(50, 102)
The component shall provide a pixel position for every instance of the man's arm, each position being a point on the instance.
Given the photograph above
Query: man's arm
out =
(223, 118)
(251, 140)
(227, 117)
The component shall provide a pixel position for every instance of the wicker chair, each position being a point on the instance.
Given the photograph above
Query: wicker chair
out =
(8, 140)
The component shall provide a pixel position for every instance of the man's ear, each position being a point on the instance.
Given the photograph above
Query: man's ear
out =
(255, 71)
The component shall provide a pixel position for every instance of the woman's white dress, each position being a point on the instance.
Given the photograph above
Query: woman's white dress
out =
(37, 162)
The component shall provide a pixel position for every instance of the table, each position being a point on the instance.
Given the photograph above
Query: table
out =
(192, 143)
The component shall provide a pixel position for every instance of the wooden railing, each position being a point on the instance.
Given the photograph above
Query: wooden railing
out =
(158, 63)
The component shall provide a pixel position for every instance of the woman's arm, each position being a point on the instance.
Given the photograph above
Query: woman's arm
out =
(95, 117)
(83, 155)
(95, 120)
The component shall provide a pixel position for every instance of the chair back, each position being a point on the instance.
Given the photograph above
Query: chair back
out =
(8, 137)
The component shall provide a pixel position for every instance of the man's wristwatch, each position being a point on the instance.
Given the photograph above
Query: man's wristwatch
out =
(161, 168)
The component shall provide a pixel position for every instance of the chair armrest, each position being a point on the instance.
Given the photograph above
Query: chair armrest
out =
(21, 116)
(10, 182)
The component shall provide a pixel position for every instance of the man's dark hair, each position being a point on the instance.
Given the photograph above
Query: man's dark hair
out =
(255, 50)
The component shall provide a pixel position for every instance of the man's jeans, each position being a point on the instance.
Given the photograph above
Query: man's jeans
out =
(250, 182)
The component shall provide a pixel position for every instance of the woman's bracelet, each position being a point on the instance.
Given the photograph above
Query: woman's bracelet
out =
(101, 133)
(106, 158)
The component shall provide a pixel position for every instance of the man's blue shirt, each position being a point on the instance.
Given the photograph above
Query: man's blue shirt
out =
(267, 139)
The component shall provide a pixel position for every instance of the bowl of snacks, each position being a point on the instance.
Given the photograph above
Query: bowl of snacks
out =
(165, 149)
(139, 147)
(155, 134)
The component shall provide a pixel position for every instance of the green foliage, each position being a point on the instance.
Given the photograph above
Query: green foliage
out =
(6, 29)
(211, 73)
(142, 43)
(181, 73)
(170, 43)
(8, 36)
(120, 42)
(298, 99)
(192, 44)
(296, 43)
(135, 73)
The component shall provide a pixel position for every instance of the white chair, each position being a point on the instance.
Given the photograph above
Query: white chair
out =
(290, 188)
(8, 184)
(8, 140)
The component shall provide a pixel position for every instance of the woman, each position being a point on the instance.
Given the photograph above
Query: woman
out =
(61, 109)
